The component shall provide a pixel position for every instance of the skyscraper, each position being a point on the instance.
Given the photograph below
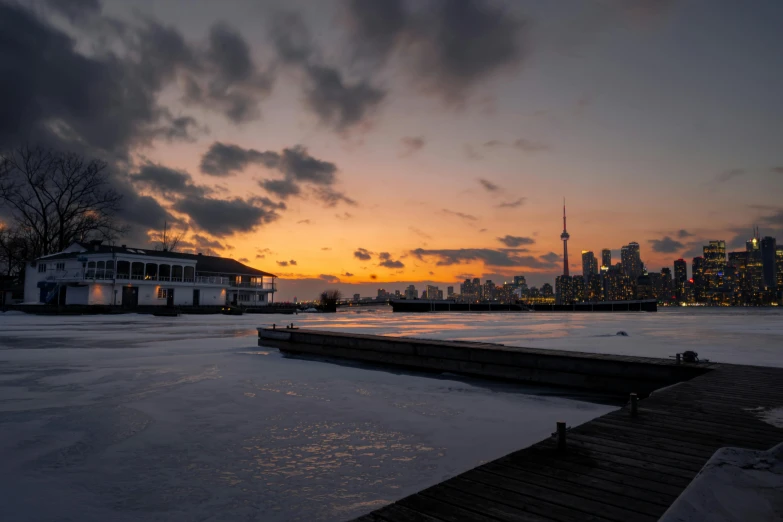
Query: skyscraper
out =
(779, 270)
(564, 237)
(589, 265)
(699, 282)
(769, 270)
(714, 264)
(666, 285)
(680, 277)
(755, 266)
(631, 260)
(606, 257)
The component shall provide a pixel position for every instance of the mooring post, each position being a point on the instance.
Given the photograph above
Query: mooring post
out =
(274, 326)
(679, 358)
(634, 404)
(561, 436)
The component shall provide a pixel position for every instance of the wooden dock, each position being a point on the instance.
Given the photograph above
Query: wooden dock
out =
(619, 467)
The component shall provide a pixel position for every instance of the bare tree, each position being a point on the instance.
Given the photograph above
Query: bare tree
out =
(329, 300)
(167, 239)
(57, 198)
(13, 251)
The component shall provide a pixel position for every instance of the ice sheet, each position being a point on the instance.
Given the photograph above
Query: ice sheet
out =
(137, 417)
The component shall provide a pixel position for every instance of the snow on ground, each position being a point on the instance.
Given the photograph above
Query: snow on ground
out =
(134, 417)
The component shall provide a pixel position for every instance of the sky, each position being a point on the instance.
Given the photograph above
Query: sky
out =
(366, 144)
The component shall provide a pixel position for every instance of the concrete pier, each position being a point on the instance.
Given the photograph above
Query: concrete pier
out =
(606, 373)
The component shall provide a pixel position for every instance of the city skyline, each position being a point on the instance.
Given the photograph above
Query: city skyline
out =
(301, 139)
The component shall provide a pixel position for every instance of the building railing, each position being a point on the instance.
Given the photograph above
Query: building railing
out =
(111, 275)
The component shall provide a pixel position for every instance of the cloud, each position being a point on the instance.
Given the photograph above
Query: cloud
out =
(446, 47)
(329, 278)
(466, 217)
(411, 144)
(666, 245)
(303, 222)
(234, 85)
(330, 197)
(326, 249)
(490, 257)
(292, 262)
(551, 257)
(682, 233)
(488, 185)
(344, 215)
(243, 260)
(516, 241)
(494, 143)
(206, 243)
(347, 274)
(338, 103)
(167, 181)
(363, 254)
(420, 233)
(387, 261)
(282, 263)
(282, 188)
(512, 204)
(729, 174)
(223, 159)
(471, 153)
(530, 146)
(777, 170)
(373, 276)
(227, 216)
(260, 256)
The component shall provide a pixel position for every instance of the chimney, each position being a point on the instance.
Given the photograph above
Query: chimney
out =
(95, 244)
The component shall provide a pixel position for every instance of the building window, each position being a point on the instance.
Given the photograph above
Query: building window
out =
(60, 266)
(41, 267)
(161, 293)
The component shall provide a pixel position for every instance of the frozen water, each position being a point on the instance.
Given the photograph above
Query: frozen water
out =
(137, 417)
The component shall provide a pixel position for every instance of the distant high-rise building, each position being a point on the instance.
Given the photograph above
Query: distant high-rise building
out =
(411, 293)
(432, 292)
(606, 257)
(546, 290)
(564, 237)
(667, 285)
(699, 282)
(564, 290)
(489, 290)
(755, 266)
(631, 260)
(680, 278)
(450, 291)
(519, 280)
(768, 264)
(714, 266)
(589, 265)
(356, 298)
(779, 270)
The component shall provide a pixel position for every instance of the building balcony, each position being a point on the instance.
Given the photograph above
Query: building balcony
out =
(110, 276)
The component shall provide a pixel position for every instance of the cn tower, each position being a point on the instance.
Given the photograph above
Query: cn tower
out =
(565, 236)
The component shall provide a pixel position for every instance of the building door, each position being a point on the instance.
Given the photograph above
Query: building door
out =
(196, 297)
(169, 297)
(130, 296)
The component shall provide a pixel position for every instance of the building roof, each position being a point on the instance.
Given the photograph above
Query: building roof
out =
(204, 263)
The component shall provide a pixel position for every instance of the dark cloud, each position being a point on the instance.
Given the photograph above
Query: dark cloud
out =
(515, 241)
(243, 260)
(329, 278)
(226, 216)
(167, 181)
(233, 84)
(420, 233)
(666, 245)
(411, 144)
(551, 257)
(466, 217)
(298, 164)
(494, 143)
(303, 222)
(331, 197)
(337, 102)
(373, 276)
(206, 243)
(223, 159)
(292, 262)
(260, 256)
(682, 233)
(282, 263)
(490, 257)
(448, 46)
(282, 188)
(729, 174)
(363, 254)
(387, 261)
(530, 145)
(347, 274)
(75, 10)
(488, 185)
(326, 249)
(140, 212)
(777, 170)
(512, 204)
(344, 215)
